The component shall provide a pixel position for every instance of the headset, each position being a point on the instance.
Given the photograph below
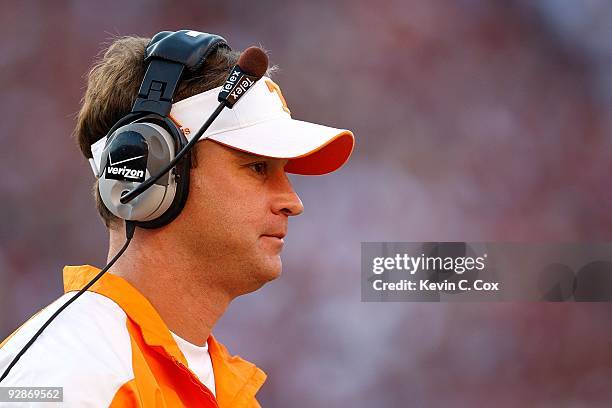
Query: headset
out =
(143, 175)
(144, 141)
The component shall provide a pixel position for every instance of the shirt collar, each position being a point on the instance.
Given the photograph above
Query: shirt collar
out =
(235, 379)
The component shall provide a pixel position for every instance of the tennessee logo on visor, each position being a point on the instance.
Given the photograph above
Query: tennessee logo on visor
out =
(275, 88)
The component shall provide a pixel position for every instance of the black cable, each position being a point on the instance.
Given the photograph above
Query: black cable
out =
(130, 226)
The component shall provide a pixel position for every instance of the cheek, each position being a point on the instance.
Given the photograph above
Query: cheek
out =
(227, 206)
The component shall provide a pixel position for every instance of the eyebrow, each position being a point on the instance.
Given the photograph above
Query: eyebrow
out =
(246, 155)
(243, 155)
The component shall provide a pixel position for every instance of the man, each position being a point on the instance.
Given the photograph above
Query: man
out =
(141, 335)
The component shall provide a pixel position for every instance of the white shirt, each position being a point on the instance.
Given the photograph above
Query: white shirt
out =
(198, 361)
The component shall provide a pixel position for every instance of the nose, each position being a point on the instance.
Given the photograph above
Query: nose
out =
(287, 201)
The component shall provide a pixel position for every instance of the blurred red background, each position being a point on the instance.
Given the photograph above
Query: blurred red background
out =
(475, 120)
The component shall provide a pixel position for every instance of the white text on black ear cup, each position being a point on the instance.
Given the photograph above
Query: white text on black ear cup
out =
(158, 198)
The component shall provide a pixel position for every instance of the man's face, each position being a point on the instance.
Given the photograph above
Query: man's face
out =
(236, 216)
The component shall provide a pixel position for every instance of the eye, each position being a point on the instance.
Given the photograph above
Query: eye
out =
(259, 167)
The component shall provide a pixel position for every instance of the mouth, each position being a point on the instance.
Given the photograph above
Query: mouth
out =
(277, 236)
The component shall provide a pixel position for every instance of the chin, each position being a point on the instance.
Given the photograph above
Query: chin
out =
(258, 273)
(273, 269)
(267, 271)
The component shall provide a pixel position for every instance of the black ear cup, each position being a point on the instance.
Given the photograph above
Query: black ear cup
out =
(135, 151)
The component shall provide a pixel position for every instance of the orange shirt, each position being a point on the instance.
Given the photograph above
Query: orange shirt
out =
(120, 353)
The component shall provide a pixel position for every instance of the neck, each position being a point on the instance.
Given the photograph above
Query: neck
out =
(182, 291)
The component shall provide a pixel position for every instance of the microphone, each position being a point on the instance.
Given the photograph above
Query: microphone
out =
(251, 66)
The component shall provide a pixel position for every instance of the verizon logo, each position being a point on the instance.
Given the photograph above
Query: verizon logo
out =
(126, 172)
(135, 172)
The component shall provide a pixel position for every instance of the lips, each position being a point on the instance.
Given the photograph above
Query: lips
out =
(279, 235)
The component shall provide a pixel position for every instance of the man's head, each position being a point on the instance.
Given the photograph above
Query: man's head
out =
(239, 196)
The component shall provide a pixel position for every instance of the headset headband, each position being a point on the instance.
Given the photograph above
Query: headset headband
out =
(166, 60)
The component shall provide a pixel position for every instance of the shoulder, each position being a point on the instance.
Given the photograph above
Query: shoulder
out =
(86, 350)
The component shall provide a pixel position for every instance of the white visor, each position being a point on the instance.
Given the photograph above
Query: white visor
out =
(260, 123)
